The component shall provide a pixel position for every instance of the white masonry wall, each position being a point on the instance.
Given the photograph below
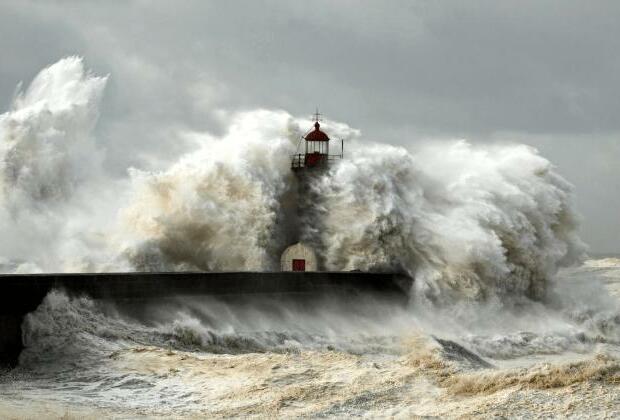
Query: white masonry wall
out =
(298, 251)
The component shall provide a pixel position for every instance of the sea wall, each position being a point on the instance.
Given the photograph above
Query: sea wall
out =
(22, 293)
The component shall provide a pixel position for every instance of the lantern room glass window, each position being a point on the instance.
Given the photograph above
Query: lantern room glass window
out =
(321, 147)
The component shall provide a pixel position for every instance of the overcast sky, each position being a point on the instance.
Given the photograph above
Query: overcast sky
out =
(545, 73)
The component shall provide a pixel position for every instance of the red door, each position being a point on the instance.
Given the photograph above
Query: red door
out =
(299, 265)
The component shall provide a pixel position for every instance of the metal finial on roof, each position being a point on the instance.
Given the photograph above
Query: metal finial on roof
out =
(317, 116)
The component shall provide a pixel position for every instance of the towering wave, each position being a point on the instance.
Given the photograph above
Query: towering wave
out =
(472, 221)
(217, 208)
(48, 160)
(468, 221)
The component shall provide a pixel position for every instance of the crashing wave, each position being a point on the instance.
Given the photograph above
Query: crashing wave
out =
(49, 164)
(467, 221)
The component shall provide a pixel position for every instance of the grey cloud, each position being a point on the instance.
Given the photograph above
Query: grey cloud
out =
(547, 72)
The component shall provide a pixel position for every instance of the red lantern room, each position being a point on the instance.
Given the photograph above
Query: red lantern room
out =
(316, 150)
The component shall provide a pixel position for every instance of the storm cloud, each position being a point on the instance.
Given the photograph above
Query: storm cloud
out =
(541, 73)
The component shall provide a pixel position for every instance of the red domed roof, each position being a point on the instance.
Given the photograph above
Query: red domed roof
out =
(316, 134)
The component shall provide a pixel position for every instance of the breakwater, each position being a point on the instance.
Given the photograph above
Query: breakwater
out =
(22, 293)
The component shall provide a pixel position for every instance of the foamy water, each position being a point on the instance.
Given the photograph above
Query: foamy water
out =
(468, 221)
(204, 357)
(499, 323)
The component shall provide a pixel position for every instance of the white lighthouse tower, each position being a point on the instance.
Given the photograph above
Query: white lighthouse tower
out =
(312, 160)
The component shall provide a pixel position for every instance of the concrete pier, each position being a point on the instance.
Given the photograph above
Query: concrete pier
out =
(23, 293)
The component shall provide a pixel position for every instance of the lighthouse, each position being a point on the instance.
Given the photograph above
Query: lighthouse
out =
(311, 160)
(315, 150)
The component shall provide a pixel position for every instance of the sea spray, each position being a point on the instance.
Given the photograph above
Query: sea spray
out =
(479, 222)
(216, 209)
(49, 165)
(467, 221)
(65, 328)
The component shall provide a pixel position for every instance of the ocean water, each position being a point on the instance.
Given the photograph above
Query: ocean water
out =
(203, 357)
(505, 319)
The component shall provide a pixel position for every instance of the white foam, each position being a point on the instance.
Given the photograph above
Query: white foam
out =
(467, 221)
